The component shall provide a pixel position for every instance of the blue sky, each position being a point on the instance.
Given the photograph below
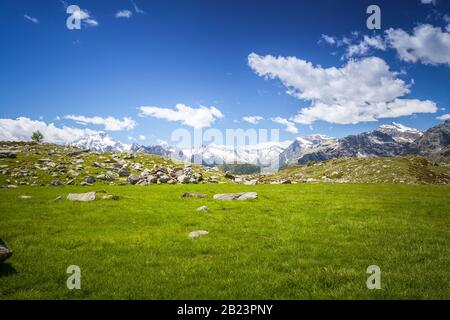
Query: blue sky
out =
(196, 53)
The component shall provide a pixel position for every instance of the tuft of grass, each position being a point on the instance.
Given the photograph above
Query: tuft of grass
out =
(305, 241)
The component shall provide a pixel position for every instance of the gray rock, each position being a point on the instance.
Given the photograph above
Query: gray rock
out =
(164, 178)
(90, 179)
(183, 178)
(134, 178)
(236, 196)
(8, 154)
(5, 252)
(193, 195)
(229, 176)
(197, 233)
(25, 197)
(203, 208)
(56, 183)
(124, 172)
(84, 197)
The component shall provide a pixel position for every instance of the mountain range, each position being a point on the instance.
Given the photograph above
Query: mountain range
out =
(392, 139)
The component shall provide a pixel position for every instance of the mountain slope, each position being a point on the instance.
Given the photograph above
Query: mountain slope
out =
(435, 140)
(387, 140)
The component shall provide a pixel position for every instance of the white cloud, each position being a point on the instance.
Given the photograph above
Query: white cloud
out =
(444, 117)
(124, 14)
(194, 117)
(427, 44)
(361, 90)
(32, 19)
(109, 123)
(364, 46)
(22, 128)
(428, 2)
(328, 39)
(142, 137)
(253, 119)
(290, 126)
(136, 8)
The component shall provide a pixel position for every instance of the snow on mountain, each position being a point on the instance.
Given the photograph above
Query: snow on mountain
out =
(400, 133)
(263, 154)
(100, 142)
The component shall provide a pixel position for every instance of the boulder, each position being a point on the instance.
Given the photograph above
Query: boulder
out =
(197, 233)
(183, 178)
(229, 176)
(90, 179)
(84, 197)
(236, 196)
(164, 178)
(5, 252)
(134, 178)
(8, 154)
(124, 172)
(193, 195)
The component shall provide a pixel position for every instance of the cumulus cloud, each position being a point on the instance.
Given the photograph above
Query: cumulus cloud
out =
(32, 19)
(124, 14)
(361, 90)
(444, 117)
(253, 119)
(363, 47)
(428, 2)
(109, 123)
(195, 117)
(426, 44)
(142, 137)
(290, 126)
(22, 128)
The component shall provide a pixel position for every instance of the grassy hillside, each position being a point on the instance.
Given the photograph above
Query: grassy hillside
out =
(294, 242)
(29, 167)
(405, 170)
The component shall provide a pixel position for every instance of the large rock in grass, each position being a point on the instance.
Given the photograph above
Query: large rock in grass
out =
(236, 196)
(84, 197)
(8, 154)
(134, 178)
(5, 252)
(198, 233)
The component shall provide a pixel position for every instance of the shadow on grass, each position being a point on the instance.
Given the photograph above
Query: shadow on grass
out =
(6, 269)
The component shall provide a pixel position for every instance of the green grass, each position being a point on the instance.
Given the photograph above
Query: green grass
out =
(305, 241)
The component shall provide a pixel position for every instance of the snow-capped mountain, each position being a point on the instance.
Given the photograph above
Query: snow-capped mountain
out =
(160, 150)
(263, 154)
(301, 145)
(100, 142)
(387, 140)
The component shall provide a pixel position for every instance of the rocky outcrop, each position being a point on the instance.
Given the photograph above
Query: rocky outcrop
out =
(5, 252)
(236, 196)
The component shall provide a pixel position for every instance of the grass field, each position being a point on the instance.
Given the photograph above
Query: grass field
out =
(305, 241)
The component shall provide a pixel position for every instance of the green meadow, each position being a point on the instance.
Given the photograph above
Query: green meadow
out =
(303, 241)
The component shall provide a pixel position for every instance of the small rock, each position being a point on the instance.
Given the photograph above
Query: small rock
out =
(236, 196)
(198, 233)
(8, 154)
(134, 178)
(90, 179)
(84, 197)
(110, 197)
(203, 208)
(56, 183)
(5, 252)
(229, 176)
(25, 197)
(193, 195)
(183, 178)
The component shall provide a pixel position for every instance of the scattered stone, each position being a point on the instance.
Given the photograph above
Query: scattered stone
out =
(124, 172)
(110, 197)
(8, 154)
(5, 252)
(56, 183)
(198, 233)
(251, 182)
(193, 195)
(229, 176)
(84, 184)
(84, 197)
(25, 197)
(236, 196)
(134, 178)
(90, 179)
(70, 182)
(203, 208)
(183, 178)
(76, 152)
